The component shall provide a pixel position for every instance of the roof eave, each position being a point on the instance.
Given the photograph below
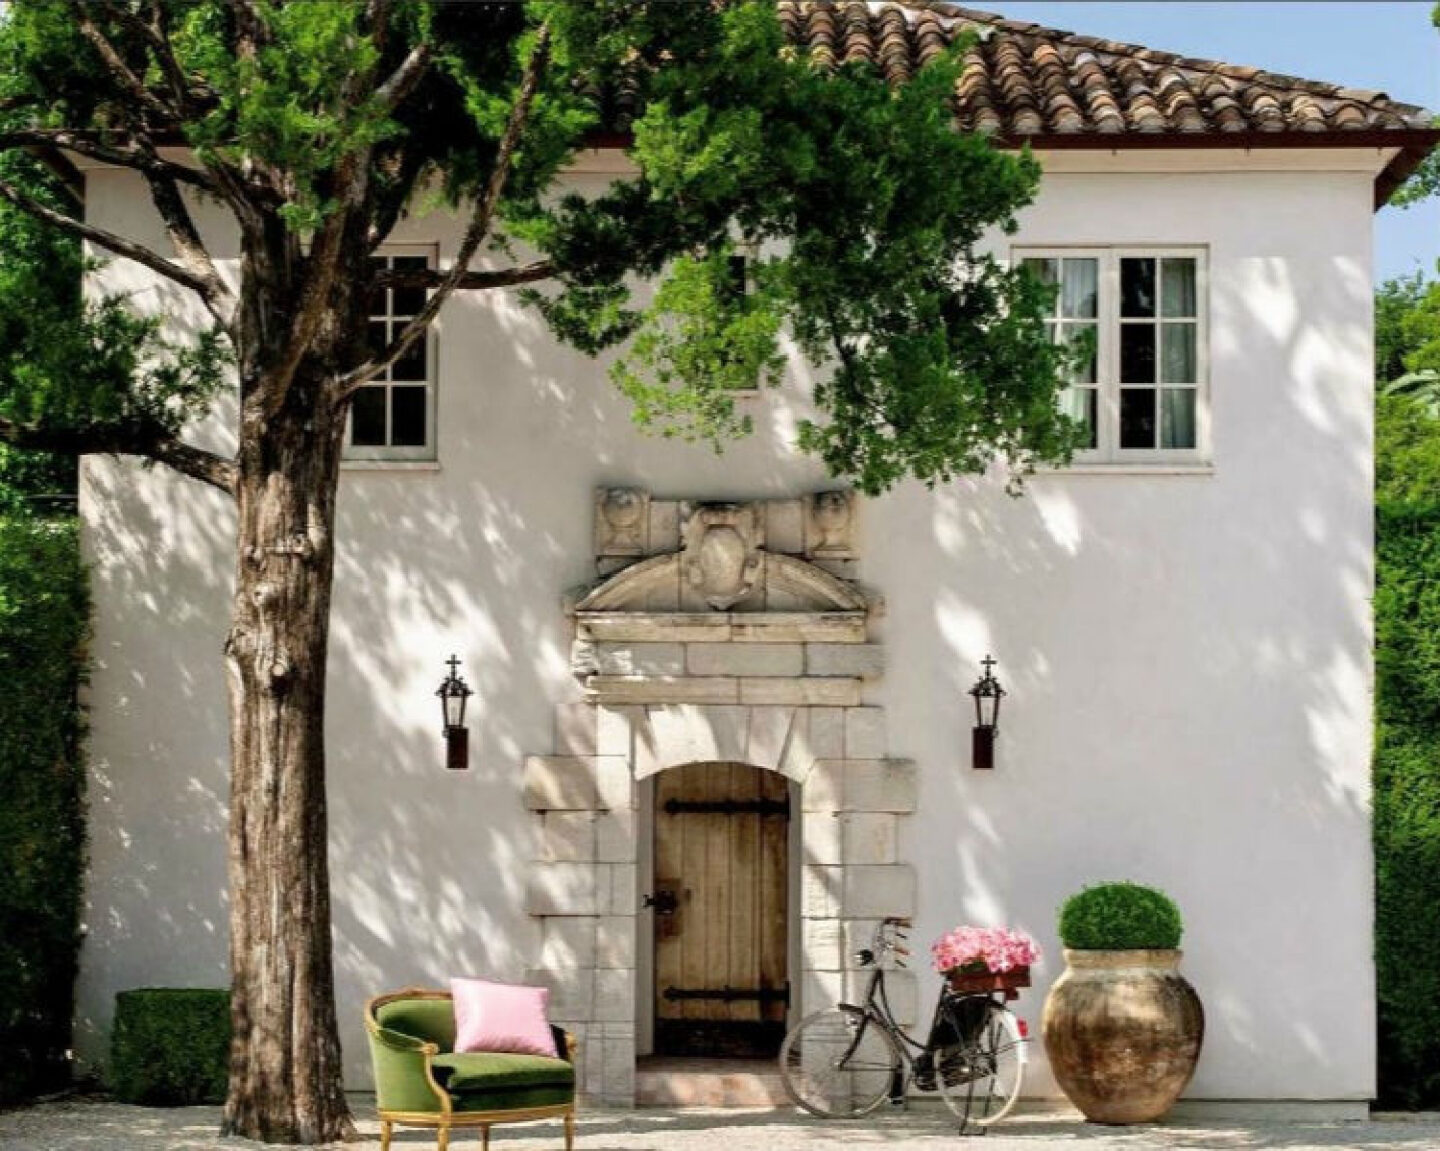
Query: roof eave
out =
(1412, 145)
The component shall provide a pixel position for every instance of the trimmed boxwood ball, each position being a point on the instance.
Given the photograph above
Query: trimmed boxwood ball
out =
(1120, 916)
(170, 1046)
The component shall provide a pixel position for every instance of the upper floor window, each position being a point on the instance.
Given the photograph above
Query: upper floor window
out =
(1141, 391)
(393, 416)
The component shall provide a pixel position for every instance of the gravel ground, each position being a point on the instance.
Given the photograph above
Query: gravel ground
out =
(96, 1126)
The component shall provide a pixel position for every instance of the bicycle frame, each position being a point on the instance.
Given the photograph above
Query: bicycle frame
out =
(875, 1008)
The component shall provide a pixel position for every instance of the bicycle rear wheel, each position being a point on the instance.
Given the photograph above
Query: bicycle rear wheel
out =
(980, 1077)
(839, 1063)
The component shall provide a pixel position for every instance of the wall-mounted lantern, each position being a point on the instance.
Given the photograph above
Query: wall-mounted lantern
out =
(453, 693)
(987, 694)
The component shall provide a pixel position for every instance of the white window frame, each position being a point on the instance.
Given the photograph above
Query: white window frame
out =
(1107, 453)
(414, 453)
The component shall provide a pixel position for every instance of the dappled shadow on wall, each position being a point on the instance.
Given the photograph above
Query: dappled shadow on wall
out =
(1187, 661)
(159, 548)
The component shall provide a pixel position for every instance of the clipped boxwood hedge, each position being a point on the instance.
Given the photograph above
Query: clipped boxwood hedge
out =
(170, 1046)
(44, 617)
(1120, 917)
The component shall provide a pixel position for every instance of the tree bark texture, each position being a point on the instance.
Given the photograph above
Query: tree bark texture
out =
(285, 1071)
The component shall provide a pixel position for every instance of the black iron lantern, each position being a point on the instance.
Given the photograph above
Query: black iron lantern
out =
(987, 694)
(453, 693)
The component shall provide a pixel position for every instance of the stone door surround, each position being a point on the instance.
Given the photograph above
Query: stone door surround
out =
(670, 678)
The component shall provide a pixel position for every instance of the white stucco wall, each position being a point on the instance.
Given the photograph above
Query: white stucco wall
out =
(1187, 656)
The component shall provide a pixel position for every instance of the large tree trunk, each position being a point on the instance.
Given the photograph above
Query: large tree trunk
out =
(285, 1082)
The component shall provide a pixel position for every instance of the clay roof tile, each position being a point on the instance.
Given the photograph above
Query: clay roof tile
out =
(1039, 80)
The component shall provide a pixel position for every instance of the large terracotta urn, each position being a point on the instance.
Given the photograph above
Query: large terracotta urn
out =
(1123, 1032)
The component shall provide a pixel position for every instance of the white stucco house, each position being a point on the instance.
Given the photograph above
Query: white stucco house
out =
(1181, 621)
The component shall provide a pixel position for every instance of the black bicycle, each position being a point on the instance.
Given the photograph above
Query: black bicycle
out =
(845, 1061)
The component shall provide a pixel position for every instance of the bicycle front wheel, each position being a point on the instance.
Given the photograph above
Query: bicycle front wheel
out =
(839, 1063)
(980, 1077)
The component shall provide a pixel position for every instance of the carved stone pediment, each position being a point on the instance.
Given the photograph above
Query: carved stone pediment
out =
(806, 588)
(715, 557)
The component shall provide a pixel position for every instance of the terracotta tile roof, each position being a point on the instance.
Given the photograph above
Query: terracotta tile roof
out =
(1022, 82)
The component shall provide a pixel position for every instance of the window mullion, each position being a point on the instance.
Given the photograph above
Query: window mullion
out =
(1110, 339)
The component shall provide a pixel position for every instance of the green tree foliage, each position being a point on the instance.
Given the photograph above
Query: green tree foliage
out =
(1407, 694)
(42, 628)
(1407, 750)
(1407, 339)
(43, 621)
(1396, 300)
(861, 206)
(39, 275)
(70, 368)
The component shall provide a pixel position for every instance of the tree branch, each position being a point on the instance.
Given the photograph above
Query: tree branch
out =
(154, 33)
(152, 444)
(196, 463)
(120, 70)
(484, 212)
(403, 80)
(400, 166)
(180, 226)
(352, 181)
(109, 241)
(470, 281)
(93, 144)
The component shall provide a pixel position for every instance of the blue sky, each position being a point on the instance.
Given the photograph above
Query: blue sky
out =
(1389, 46)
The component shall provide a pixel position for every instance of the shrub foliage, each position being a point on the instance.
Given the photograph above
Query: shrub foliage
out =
(43, 614)
(1119, 917)
(1407, 753)
(170, 1047)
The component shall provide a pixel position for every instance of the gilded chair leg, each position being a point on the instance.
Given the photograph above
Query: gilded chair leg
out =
(386, 1130)
(570, 1130)
(485, 1138)
(442, 1138)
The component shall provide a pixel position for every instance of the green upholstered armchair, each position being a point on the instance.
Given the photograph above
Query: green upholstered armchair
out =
(420, 1081)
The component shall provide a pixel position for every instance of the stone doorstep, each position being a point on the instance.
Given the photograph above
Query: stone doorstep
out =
(675, 1082)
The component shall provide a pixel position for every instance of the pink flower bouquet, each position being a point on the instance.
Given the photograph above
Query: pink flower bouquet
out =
(983, 950)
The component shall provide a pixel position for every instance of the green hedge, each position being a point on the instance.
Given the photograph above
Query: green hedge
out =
(1120, 917)
(170, 1047)
(43, 620)
(1407, 799)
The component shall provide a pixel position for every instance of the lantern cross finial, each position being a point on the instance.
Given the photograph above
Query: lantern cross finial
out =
(988, 663)
(453, 663)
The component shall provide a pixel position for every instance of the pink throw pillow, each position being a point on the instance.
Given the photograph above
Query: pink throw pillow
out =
(506, 1017)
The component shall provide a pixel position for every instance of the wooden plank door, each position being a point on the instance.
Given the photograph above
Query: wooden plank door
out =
(720, 905)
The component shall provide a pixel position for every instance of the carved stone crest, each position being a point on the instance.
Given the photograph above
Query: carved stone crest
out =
(722, 559)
